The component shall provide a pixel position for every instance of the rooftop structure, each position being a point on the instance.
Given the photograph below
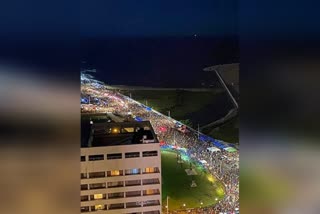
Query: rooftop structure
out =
(120, 168)
(113, 134)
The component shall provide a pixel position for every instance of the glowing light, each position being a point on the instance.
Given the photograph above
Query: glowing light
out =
(98, 207)
(211, 178)
(98, 196)
(220, 191)
(115, 130)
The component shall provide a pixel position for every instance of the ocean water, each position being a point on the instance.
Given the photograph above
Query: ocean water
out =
(158, 62)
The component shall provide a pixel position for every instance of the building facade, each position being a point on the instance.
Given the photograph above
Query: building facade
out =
(121, 169)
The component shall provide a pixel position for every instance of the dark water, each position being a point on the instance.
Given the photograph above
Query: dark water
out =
(160, 62)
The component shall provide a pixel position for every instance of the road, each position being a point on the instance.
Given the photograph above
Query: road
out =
(142, 88)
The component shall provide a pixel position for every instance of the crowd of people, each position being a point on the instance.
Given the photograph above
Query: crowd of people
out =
(220, 163)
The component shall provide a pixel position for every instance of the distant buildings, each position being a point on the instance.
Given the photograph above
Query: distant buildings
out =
(121, 169)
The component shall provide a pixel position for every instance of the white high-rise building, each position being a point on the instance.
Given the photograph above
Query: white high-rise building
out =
(121, 169)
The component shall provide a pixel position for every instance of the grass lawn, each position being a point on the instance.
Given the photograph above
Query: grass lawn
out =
(180, 103)
(176, 184)
(228, 132)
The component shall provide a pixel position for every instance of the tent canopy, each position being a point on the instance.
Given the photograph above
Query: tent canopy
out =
(203, 161)
(138, 119)
(183, 149)
(219, 144)
(213, 149)
(230, 149)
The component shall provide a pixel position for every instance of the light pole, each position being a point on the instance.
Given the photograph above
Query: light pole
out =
(198, 132)
(169, 113)
(167, 205)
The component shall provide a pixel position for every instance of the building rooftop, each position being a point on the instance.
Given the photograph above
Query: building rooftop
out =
(113, 134)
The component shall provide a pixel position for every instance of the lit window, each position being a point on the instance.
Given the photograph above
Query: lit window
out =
(135, 171)
(115, 173)
(98, 196)
(98, 207)
(149, 192)
(149, 170)
(132, 171)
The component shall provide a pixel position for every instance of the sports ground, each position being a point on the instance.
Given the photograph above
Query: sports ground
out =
(177, 184)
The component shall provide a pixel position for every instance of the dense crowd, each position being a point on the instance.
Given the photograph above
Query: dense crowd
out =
(222, 164)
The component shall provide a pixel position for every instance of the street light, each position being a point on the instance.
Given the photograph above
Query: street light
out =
(198, 132)
(167, 204)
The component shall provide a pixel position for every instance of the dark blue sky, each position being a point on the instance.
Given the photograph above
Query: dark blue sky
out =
(48, 32)
(152, 42)
(58, 19)
(114, 18)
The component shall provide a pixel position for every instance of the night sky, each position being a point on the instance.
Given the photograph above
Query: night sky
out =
(129, 42)
(157, 43)
(114, 18)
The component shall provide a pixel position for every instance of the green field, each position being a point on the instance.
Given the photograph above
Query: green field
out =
(180, 103)
(228, 132)
(176, 184)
